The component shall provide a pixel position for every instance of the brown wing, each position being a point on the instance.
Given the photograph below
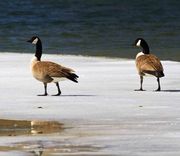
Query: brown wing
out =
(52, 69)
(149, 64)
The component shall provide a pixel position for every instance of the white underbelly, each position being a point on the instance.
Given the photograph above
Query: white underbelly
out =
(139, 54)
(57, 79)
(148, 75)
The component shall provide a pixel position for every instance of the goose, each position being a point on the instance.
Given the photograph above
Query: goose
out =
(47, 71)
(147, 64)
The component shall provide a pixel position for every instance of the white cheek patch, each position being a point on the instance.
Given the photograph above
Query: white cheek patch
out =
(138, 43)
(35, 41)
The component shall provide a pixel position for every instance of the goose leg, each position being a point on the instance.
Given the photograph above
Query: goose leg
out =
(159, 86)
(59, 91)
(45, 90)
(141, 82)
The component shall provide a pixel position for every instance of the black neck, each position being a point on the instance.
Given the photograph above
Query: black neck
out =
(145, 48)
(38, 50)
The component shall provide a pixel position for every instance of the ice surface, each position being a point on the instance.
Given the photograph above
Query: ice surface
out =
(102, 108)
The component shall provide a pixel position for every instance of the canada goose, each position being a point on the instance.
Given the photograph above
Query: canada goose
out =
(46, 71)
(147, 64)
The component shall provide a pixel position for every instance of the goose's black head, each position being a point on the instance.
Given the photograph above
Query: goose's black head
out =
(140, 42)
(36, 40)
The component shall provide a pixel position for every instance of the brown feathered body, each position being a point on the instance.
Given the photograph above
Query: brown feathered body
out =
(149, 64)
(47, 72)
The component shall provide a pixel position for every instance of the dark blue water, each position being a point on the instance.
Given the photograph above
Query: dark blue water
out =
(91, 27)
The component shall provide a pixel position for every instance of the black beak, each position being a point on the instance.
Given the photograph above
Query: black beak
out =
(29, 41)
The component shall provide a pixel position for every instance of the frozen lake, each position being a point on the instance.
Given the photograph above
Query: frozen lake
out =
(101, 115)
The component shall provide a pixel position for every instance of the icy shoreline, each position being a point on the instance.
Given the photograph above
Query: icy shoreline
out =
(103, 102)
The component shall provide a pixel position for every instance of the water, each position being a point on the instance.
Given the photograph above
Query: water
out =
(91, 27)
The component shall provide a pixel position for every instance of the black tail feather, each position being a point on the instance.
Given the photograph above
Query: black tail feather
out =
(73, 77)
(161, 74)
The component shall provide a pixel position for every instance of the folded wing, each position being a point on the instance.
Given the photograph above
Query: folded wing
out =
(149, 64)
(51, 70)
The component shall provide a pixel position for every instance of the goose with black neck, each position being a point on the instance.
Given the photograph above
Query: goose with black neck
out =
(47, 71)
(147, 64)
